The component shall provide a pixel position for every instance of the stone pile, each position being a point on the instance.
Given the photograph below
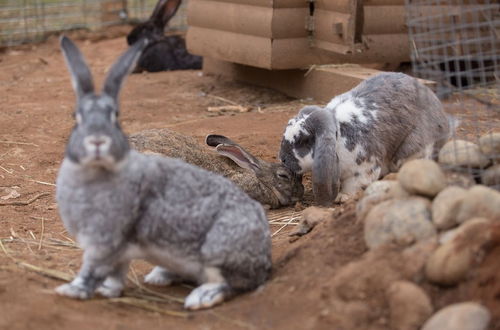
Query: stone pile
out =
(454, 219)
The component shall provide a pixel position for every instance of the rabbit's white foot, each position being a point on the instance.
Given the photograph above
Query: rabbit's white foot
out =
(159, 276)
(73, 290)
(342, 198)
(206, 295)
(111, 288)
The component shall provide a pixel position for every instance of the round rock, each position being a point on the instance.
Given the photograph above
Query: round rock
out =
(451, 262)
(491, 176)
(422, 176)
(446, 205)
(480, 201)
(490, 145)
(461, 316)
(462, 153)
(409, 306)
(376, 193)
(401, 220)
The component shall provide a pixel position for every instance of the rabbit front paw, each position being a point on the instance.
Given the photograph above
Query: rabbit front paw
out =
(206, 295)
(111, 288)
(159, 276)
(342, 198)
(73, 291)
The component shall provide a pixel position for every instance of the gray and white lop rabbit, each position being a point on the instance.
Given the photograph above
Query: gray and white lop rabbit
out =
(271, 184)
(121, 205)
(363, 134)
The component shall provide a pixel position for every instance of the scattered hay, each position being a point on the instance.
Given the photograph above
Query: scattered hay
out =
(283, 218)
(24, 203)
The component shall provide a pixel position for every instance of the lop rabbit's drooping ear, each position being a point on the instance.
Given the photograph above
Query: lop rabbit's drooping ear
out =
(81, 78)
(309, 143)
(325, 169)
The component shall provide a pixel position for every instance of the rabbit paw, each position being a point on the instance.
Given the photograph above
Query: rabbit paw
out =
(73, 291)
(206, 295)
(159, 276)
(111, 288)
(342, 198)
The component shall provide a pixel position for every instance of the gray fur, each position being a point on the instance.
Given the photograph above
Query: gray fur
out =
(272, 184)
(121, 205)
(395, 117)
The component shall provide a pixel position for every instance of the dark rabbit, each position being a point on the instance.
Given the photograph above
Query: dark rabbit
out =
(271, 184)
(363, 134)
(164, 53)
(121, 205)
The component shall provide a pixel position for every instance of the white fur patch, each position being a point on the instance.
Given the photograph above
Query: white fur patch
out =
(305, 162)
(205, 296)
(158, 276)
(294, 128)
(337, 100)
(346, 111)
(111, 288)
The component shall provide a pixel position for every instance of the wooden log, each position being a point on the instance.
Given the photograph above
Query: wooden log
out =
(249, 20)
(289, 53)
(321, 83)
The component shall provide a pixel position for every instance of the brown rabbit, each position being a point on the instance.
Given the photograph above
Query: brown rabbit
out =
(271, 184)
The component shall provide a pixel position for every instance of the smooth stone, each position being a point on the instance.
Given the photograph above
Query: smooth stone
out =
(376, 193)
(490, 145)
(480, 201)
(409, 305)
(491, 176)
(422, 177)
(462, 153)
(460, 179)
(446, 205)
(451, 262)
(460, 316)
(402, 220)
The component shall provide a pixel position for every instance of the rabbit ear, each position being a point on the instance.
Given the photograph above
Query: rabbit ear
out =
(325, 169)
(164, 11)
(81, 78)
(239, 156)
(214, 140)
(122, 68)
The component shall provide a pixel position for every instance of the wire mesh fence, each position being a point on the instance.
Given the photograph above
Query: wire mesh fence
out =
(456, 43)
(24, 21)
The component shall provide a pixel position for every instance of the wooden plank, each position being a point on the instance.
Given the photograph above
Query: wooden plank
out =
(384, 20)
(267, 3)
(229, 46)
(238, 18)
(321, 83)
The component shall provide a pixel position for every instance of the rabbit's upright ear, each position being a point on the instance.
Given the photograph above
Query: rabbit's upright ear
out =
(241, 157)
(81, 78)
(164, 11)
(122, 68)
(325, 169)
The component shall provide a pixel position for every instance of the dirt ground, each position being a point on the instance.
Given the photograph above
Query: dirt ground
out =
(35, 120)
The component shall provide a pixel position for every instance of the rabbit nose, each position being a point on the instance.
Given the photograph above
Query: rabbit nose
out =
(97, 142)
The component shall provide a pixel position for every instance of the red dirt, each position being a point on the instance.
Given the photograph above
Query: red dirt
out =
(310, 287)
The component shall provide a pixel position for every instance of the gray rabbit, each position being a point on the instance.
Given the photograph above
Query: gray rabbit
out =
(121, 205)
(271, 184)
(363, 134)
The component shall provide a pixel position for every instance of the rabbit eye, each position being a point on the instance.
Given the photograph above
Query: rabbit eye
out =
(284, 176)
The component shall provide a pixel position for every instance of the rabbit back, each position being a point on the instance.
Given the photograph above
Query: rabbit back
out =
(167, 54)
(262, 185)
(389, 117)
